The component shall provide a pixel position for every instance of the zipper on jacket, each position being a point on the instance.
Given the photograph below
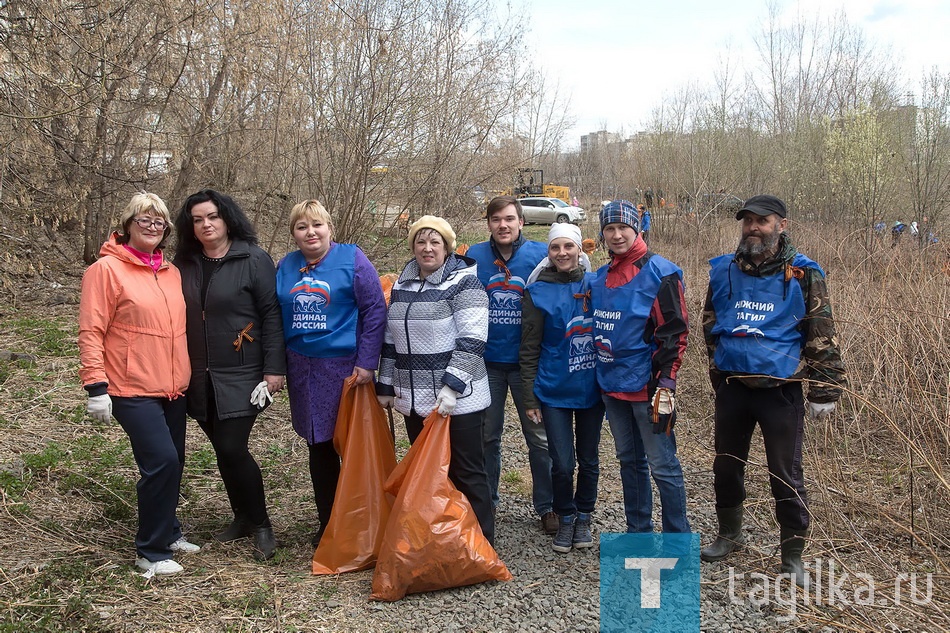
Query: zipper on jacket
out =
(405, 323)
(168, 311)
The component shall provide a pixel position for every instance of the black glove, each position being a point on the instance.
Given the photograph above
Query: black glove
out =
(663, 411)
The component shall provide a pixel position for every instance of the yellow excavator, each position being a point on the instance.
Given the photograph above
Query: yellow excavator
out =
(530, 182)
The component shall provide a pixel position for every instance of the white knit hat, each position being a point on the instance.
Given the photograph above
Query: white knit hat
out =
(571, 232)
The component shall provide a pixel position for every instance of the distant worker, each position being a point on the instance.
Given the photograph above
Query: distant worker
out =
(768, 327)
(645, 222)
(896, 231)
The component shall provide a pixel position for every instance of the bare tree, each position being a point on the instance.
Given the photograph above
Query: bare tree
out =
(924, 149)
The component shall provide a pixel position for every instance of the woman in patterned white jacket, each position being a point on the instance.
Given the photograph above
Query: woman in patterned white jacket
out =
(432, 354)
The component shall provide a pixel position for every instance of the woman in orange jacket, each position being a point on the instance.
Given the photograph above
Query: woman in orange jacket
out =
(134, 365)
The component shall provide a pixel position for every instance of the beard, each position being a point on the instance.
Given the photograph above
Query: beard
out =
(766, 244)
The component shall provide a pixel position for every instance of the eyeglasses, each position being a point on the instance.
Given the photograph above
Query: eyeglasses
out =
(144, 223)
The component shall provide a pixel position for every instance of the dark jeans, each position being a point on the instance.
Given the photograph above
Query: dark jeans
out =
(500, 381)
(780, 413)
(156, 430)
(239, 472)
(467, 464)
(566, 429)
(324, 473)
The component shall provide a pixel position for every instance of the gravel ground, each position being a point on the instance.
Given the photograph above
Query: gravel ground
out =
(551, 591)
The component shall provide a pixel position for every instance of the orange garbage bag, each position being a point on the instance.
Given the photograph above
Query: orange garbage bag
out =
(433, 540)
(361, 507)
(387, 281)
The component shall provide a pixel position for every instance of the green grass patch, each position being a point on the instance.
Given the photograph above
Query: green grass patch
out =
(257, 603)
(13, 486)
(511, 477)
(58, 597)
(46, 336)
(202, 460)
(52, 456)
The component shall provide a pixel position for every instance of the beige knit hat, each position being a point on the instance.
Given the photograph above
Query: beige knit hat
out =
(436, 224)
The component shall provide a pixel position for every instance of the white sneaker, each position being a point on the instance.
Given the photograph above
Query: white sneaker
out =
(159, 567)
(181, 545)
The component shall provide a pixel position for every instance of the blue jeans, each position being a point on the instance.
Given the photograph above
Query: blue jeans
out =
(565, 427)
(642, 453)
(500, 381)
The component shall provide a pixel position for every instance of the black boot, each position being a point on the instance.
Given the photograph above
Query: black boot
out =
(793, 543)
(265, 544)
(240, 528)
(730, 535)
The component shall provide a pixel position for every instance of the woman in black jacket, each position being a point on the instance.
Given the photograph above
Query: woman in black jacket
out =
(236, 344)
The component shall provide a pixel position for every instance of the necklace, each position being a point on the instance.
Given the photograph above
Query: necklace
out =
(211, 259)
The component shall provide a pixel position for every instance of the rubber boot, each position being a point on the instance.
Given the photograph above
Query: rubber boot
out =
(264, 542)
(240, 528)
(730, 535)
(793, 543)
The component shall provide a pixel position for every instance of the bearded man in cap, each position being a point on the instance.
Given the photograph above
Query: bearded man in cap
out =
(768, 328)
(640, 330)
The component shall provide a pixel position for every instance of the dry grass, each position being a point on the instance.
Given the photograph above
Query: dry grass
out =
(877, 471)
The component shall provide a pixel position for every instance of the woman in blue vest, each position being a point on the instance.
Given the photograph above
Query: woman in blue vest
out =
(334, 317)
(558, 371)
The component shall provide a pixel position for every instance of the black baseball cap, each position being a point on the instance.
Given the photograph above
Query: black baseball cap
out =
(763, 205)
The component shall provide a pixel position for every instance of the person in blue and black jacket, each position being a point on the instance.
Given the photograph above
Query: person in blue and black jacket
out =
(558, 372)
(504, 263)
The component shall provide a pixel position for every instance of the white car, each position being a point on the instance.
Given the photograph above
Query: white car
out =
(550, 210)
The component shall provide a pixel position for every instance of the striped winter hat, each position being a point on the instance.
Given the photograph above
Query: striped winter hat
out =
(622, 211)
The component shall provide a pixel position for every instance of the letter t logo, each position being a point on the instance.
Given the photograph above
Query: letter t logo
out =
(650, 578)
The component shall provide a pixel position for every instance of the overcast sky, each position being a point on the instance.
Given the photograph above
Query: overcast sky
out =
(616, 58)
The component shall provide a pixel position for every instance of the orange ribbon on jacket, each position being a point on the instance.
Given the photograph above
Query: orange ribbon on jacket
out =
(501, 266)
(585, 296)
(243, 336)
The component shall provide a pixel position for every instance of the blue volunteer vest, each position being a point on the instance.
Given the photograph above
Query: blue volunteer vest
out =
(624, 360)
(319, 307)
(504, 296)
(567, 366)
(757, 319)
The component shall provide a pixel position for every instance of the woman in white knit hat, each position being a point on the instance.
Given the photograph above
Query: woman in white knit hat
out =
(558, 372)
(433, 354)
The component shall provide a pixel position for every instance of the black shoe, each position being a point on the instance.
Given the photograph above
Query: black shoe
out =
(265, 545)
(240, 528)
(792, 545)
(729, 538)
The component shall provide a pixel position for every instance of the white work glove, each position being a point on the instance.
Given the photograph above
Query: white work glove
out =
(261, 397)
(99, 408)
(445, 402)
(819, 410)
(386, 402)
(663, 411)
